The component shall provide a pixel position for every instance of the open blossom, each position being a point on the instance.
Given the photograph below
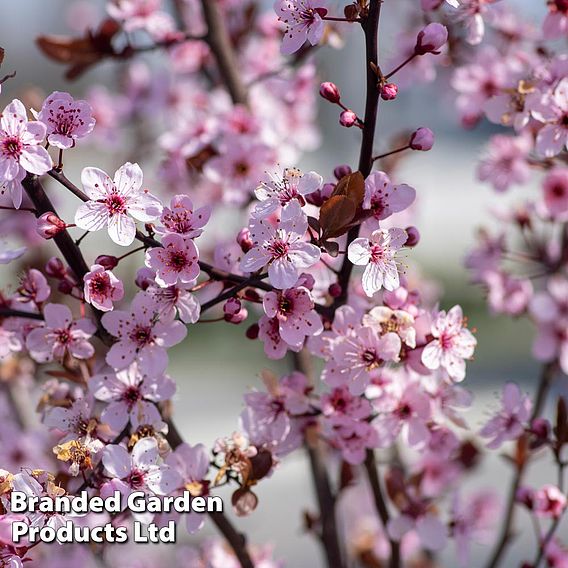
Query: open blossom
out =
(429, 529)
(131, 395)
(141, 337)
(180, 217)
(174, 300)
(509, 422)
(397, 322)
(66, 119)
(383, 198)
(278, 192)
(142, 15)
(452, 343)
(378, 254)
(552, 109)
(20, 149)
(281, 247)
(555, 193)
(113, 202)
(175, 261)
(549, 501)
(555, 25)
(102, 288)
(61, 335)
(303, 21)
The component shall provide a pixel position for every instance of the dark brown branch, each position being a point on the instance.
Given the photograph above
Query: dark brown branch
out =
(10, 313)
(220, 43)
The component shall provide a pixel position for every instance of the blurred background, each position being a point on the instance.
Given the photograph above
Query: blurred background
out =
(216, 364)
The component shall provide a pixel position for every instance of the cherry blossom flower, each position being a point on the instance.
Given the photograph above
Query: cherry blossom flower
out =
(138, 471)
(102, 288)
(383, 198)
(549, 501)
(452, 343)
(142, 14)
(20, 149)
(176, 261)
(352, 437)
(60, 336)
(141, 337)
(303, 20)
(112, 201)
(131, 396)
(276, 192)
(428, 527)
(73, 422)
(552, 109)
(509, 422)
(555, 25)
(281, 247)
(378, 254)
(66, 119)
(555, 190)
(397, 322)
(34, 288)
(180, 217)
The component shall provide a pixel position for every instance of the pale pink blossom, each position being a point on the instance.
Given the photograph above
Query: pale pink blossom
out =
(428, 527)
(452, 343)
(378, 254)
(180, 217)
(383, 198)
(102, 288)
(61, 335)
(131, 395)
(397, 322)
(66, 119)
(555, 193)
(555, 25)
(552, 109)
(20, 149)
(352, 437)
(509, 423)
(142, 14)
(303, 21)
(175, 261)
(113, 202)
(33, 288)
(282, 248)
(140, 336)
(549, 501)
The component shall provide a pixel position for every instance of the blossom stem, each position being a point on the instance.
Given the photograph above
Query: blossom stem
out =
(380, 156)
(10, 313)
(130, 252)
(403, 64)
(547, 376)
(334, 19)
(80, 239)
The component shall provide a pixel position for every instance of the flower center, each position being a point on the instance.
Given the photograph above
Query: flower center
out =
(377, 253)
(178, 222)
(177, 260)
(136, 479)
(116, 204)
(12, 146)
(278, 248)
(141, 335)
(241, 169)
(369, 359)
(100, 285)
(131, 396)
(63, 336)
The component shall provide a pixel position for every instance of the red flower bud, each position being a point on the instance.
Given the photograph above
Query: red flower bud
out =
(413, 237)
(252, 331)
(389, 92)
(422, 139)
(55, 268)
(330, 92)
(49, 225)
(107, 261)
(347, 118)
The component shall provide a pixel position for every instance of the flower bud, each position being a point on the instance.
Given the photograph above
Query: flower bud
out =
(330, 92)
(49, 225)
(65, 287)
(107, 261)
(319, 197)
(342, 171)
(431, 38)
(144, 277)
(413, 237)
(347, 118)
(234, 311)
(244, 240)
(422, 139)
(252, 331)
(306, 280)
(55, 268)
(389, 91)
(525, 495)
(335, 290)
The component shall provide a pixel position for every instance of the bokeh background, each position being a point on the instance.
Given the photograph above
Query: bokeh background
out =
(215, 365)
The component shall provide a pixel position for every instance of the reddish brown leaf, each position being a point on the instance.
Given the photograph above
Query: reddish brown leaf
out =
(335, 215)
(353, 187)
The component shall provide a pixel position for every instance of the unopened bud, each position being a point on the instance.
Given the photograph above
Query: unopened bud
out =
(107, 261)
(341, 171)
(55, 268)
(330, 92)
(234, 311)
(389, 91)
(347, 118)
(65, 286)
(413, 237)
(422, 139)
(319, 197)
(49, 225)
(431, 38)
(244, 239)
(335, 290)
(252, 331)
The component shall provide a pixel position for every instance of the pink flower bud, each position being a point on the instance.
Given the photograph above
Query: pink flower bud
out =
(234, 311)
(306, 280)
(422, 139)
(65, 287)
(389, 92)
(342, 171)
(431, 38)
(252, 331)
(525, 495)
(49, 225)
(347, 118)
(144, 277)
(335, 290)
(413, 237)
(55, 268)
(244, 240)
(330, 92)
(320, 196)
(107, 261)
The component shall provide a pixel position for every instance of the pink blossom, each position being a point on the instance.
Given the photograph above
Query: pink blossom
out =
(428, 527)
(61, 335)
(378, 254)
(555, 25)
(66, 119)
(20, 149)
(452, 343)
(383, 198)
(555, 190)
(352, 437)
(138, 471)
(549, 501)
(303, 21)
(72, 422)
(181, 218)
(34, 288)
(294, 310)
(551, 109)
(142, 14)
(141, 337)
(422, 139)
(131, 396)
(102, 288)
(508, 294)
(112, 203)
(509, 422)
(431, 38)
(505, 162)
(396, 322)
(176, 261)
(276, 191)
(281, 247)
(49, 225)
